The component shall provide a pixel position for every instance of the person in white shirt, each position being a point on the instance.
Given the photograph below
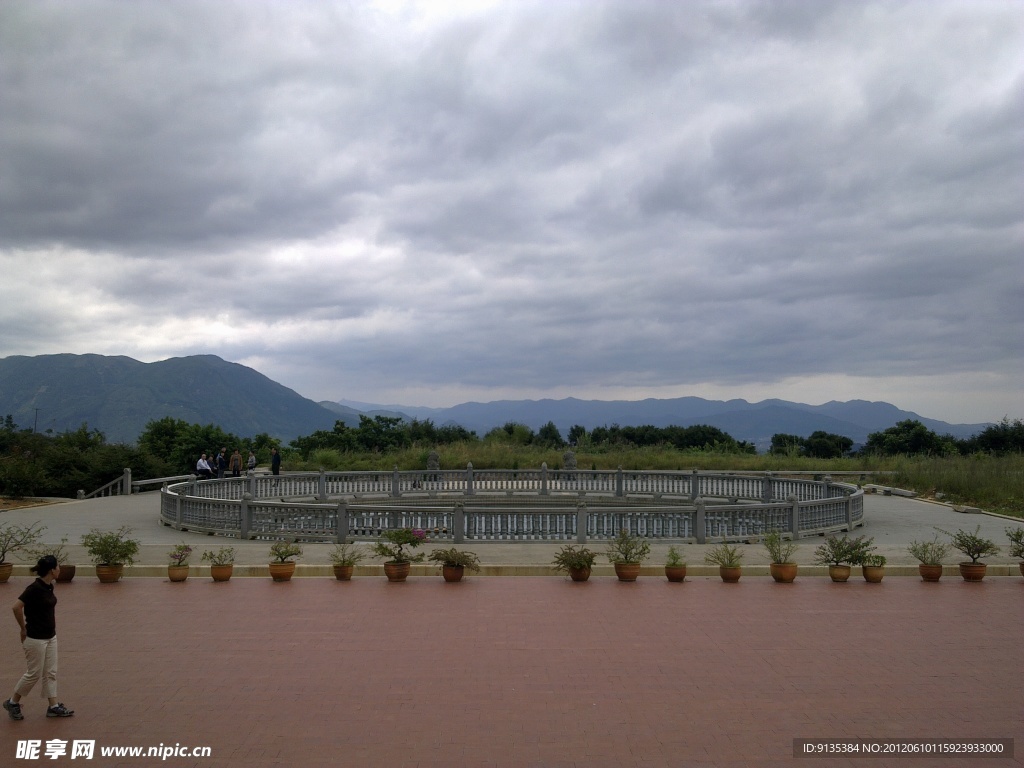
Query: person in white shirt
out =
(203, 468)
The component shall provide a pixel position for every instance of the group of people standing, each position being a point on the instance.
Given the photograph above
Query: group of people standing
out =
(219, 464)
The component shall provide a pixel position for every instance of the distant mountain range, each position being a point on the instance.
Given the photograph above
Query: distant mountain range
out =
(753, 422)
(119, 396)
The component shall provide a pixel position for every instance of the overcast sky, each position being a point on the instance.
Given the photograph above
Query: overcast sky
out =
(425, 204)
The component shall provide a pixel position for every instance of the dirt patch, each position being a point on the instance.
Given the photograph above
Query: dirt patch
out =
(6, 503)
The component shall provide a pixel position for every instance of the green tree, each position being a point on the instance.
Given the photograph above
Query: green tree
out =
(909, 437)
(825, 445)
(549, 437)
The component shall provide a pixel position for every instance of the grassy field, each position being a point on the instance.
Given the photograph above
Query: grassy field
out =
(993, 483)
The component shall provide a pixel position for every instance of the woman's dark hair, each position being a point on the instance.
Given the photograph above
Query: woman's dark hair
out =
(46, 564)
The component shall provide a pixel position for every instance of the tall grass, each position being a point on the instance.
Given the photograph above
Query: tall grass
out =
(994, 483)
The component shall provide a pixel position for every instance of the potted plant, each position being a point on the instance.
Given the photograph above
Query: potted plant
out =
(727, 558)
(14, 538)
(577, 561)
(975, 547)
(780, 556)
(626, 552)
(111, 551)
(872, 566)
(929, 555)
(398, 562)
(282, 566)
(1016, 536)
(60, 552)
(839, 554)
(177, 569)
(454, 562)
(675, 566)
(345, 557)
(222, 563)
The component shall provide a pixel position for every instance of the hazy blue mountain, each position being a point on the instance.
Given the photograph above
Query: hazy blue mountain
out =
(754, 422)
(119, 395)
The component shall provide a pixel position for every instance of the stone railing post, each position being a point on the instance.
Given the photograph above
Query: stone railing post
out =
(544, 478)
(396, 486)
(581, 522)
(244, 517)
(469, 479)
(251, 482)
(767, 493)
(342, 531)
(321, 486)
(620, 485)
(179, 503)
(694, 486)
(126, 482)
(794, 512)
(849, 510)
(459, 522)
(827, 487)
(700, 520)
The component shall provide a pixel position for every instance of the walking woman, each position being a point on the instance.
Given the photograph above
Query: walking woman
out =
(35, 613)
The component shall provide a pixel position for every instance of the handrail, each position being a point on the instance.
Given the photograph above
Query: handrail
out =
(512, 504)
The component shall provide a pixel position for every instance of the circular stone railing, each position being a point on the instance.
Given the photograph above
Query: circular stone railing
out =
(512, 505)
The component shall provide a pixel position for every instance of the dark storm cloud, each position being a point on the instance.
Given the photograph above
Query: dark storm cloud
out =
(521, 197)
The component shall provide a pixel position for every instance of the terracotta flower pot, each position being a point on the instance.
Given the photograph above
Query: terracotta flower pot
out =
(675, 573)
(177, 572)
(973, 571)
(5, 572)
(839, 573)
(730, 575)
(343, 572)
(930, 572)
(783, 573)
(627, 571)
(452, 573)
(579, 574)
(282, 571)
(109, 574)
(67, 573)
(873, 573)
(397, 572)
(222, 572)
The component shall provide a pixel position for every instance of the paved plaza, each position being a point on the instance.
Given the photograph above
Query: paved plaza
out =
(522, 671)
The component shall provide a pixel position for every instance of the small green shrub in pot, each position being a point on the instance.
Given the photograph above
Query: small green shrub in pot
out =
(346, 555)
(973, 545)
(628, 549)
(724, 555)
(577, 561)
(929, 552)
(283, 551)
(222, 556)
(455, 558)
(780, 550)
(111, 547)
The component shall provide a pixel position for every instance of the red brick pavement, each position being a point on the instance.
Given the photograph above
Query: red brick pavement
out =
(520, 672)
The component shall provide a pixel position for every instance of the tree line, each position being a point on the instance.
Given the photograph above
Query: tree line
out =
(33, 464)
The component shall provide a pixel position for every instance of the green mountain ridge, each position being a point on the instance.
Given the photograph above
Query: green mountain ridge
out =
(120, 395)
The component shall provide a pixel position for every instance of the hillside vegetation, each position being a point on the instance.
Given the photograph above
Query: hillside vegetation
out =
(985, 471)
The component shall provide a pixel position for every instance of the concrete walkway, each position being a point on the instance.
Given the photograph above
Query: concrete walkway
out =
(893, 521)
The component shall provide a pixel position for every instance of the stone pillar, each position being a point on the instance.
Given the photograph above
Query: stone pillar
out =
(700, 520)
(126, 482)
(179, 503)
(620, 489)
(321, 486)
(794, 521)
(694, 486)
(396, 487)
(459, 522)
(469, 479)
(581, 522)
(544, 478)
(244, 517)
(849, 510)
(342, 532)
(766, 488)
